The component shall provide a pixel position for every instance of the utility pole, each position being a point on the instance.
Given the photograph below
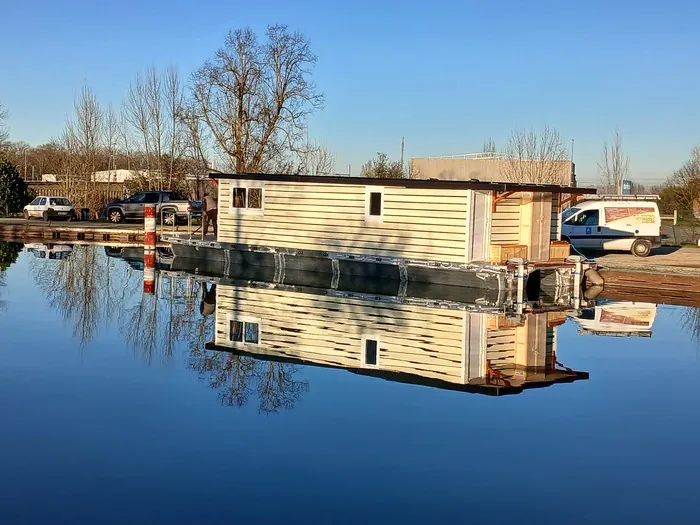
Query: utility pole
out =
(572, 150)
(349, 166)
(402, 144)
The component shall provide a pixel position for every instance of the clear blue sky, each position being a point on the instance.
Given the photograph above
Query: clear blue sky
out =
(446, 75)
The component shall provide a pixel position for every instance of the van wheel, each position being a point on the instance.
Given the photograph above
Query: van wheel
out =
(641, 248)
(45, 215)
(26, 214)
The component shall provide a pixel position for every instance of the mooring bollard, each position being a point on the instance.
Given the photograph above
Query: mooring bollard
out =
(149, 249)
(149, 226)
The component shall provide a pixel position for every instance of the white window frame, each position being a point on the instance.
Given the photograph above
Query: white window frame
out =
(368, 191)
(242, 319)
(247, 185)
(363, 357)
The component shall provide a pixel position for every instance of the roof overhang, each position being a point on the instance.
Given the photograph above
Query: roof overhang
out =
(473, 184)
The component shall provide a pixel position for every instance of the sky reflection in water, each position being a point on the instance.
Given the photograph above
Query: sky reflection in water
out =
(115, 411)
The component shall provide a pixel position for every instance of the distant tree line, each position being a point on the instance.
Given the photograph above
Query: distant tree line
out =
(244, 110)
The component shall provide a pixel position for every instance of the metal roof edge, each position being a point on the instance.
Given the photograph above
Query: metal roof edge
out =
(408, 183)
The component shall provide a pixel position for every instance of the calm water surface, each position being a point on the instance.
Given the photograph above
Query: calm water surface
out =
(233, 404)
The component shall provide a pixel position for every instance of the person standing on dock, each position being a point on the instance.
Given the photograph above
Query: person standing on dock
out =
(210, 211)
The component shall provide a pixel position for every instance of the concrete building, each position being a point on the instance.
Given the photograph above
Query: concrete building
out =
(480, 166)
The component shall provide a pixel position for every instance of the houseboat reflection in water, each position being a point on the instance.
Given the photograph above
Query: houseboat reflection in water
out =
(451, 348)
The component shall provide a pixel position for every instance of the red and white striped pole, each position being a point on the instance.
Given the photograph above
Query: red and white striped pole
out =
(149, 249)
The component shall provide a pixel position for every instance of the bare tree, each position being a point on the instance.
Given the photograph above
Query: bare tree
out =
(489, 146)
(81, 144)
(111, 138)
(613, 165)
(174, 101)
(4, 133)
(255, 97)
(154, 103)
(316, 159)
(536, 157)
(137, 114)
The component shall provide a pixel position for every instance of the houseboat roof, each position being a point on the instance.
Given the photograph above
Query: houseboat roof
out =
(473, 184)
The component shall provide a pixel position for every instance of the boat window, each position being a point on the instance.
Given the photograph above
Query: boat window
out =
(370, 351)
(244, 330)
(585, 218)
(374, 204)
(250, 198)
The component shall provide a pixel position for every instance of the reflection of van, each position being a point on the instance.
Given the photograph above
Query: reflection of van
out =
(615, 222)
(618, 318)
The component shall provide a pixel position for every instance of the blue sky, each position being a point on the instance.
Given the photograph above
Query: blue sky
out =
(446, 75)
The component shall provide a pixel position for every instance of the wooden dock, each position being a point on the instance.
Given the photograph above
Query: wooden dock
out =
(71, 232)
(657, 287)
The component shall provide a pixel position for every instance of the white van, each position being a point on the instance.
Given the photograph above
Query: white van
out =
(614, 222)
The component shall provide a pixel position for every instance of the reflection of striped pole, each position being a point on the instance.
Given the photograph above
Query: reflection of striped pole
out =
(149, 271)
(149, 249)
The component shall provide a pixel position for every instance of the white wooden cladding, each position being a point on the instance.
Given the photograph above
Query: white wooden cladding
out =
(429, 224)
(505, 221)
(423, 224)
(326, 330)
(329, 330)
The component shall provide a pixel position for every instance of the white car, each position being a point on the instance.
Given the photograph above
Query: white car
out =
(47, 208)
(49, 251)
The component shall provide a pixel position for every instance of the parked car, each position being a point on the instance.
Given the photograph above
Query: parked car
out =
(169, 205)
(618, 222)
(47, 208)
(49, 251)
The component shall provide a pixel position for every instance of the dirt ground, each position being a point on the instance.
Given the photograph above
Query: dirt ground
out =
(670, 259)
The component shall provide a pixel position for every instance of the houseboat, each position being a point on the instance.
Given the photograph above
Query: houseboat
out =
(421, 344)
(467, 233)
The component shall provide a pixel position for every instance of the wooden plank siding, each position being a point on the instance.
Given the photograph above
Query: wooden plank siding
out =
(328, 330)
(417, 223)
(505, 221)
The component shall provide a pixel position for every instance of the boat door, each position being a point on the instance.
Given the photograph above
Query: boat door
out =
(479, 215)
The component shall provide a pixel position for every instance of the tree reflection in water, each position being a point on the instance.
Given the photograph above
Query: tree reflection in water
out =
(237, 378)
(91, 291)
(691, 323)
(9, 251)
